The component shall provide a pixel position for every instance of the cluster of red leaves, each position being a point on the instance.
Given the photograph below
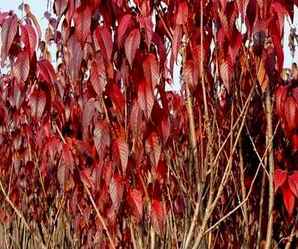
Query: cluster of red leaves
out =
(102, 119)
(287, 110)
(289, 188)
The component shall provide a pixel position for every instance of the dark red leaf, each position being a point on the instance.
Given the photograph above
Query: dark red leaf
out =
(132, 43)
(147, 25)
(280, 176)
(235, 45)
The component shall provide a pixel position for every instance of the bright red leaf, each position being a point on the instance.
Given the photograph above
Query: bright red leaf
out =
(289, 199)
(293, 183)
(280, 176)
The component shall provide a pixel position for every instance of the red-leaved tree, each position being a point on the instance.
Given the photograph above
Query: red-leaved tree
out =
(156, 124)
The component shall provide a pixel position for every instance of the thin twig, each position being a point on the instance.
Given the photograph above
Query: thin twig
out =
(269, 141)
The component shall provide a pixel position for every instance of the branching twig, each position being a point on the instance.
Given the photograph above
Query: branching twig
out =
(269, 142)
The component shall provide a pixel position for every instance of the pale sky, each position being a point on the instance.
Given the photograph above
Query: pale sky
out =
(40, 6)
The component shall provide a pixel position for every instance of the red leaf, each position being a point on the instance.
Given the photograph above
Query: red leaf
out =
(235, 45)
(293, 183)
(3, 16)
(101, 138)
(280, 176)
(88, 113)
(182, 14)
(103, 41)
(135, 118)
(225, 70)
(123, 152)
(289, 199)
(124, 24)
(135, 201)
(37, 103)
(21, 67)
(98, 77)
(82, 19)
(116, 191)
(132, 43)
(60, 6)
(291, 113)
(151, 70)
(29, 38)
(8, 33)
(75, 55)
(65, 166)
(145, 98)
(45, 71)
(294, 140)
(281, 95)
(158, 216)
